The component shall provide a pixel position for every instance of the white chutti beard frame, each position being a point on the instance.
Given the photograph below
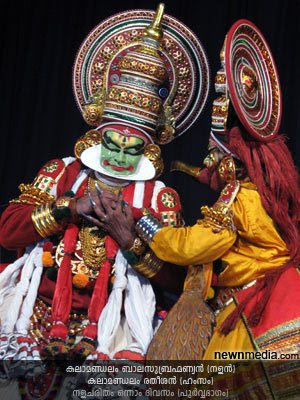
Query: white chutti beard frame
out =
(91, 159)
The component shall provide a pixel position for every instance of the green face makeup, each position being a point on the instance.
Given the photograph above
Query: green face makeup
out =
(121, 154)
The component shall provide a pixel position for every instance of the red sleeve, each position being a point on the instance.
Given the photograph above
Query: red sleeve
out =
(16, 227)
(68, 178)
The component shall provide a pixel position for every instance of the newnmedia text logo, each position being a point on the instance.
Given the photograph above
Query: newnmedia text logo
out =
(255, 355)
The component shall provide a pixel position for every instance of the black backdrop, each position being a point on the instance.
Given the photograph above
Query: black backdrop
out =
(39, 118)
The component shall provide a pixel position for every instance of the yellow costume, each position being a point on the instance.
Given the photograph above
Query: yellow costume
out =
(236, 249)
(247, 252)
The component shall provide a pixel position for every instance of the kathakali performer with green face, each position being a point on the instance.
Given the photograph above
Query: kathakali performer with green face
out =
(84, 293)
(121, 154)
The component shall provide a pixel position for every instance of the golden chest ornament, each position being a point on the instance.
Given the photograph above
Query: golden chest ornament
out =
(89, 253)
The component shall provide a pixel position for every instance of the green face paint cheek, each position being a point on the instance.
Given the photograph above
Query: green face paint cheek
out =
(119, 163)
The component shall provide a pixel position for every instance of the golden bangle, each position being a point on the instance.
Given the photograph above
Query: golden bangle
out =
(138, 247)
(36, 224)
(39, 218)
(44, 221)
(51, 221)
(63, 202)
(42, 218)
(150, 265)
(143, 270)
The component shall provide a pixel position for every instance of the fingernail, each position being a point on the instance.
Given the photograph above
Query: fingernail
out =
(91, 200)
(98, 188)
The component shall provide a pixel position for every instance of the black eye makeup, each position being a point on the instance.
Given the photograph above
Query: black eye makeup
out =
(109, 144)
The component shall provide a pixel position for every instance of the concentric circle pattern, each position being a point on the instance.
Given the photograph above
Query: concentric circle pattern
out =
(253, 81)
(187, 84)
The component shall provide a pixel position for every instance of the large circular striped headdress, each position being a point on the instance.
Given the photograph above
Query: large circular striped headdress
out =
(250, 78)
(145, 69)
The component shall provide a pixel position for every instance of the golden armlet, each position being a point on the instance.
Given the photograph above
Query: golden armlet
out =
(220, 215)
(32, 195)
(43, 220)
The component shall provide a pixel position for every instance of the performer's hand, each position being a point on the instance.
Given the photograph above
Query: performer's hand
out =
(84, 204)
(90, 205)
(117, 220)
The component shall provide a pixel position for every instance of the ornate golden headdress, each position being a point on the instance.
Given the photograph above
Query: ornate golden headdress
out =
(148, 70)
